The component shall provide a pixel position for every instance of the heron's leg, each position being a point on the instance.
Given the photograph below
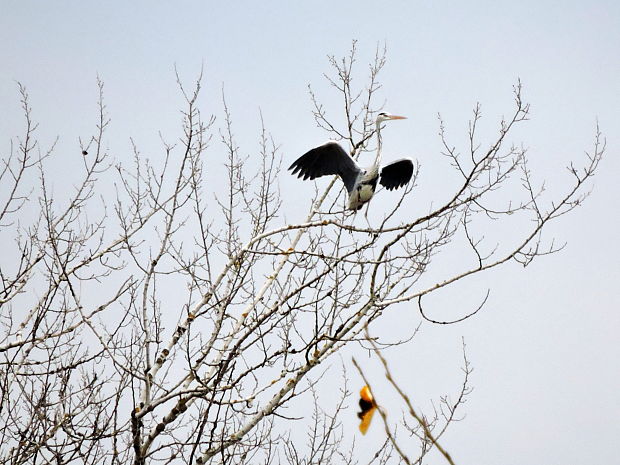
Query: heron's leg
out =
(366, 215)
(350, 214)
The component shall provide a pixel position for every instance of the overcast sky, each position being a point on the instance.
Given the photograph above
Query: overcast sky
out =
(546, 349)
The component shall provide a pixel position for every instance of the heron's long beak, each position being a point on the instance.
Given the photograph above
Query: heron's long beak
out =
(396, 117)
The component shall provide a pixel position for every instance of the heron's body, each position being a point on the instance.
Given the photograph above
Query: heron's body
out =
(363, 192)
(361, 184)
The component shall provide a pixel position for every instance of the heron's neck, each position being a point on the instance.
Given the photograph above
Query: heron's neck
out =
(378, 157)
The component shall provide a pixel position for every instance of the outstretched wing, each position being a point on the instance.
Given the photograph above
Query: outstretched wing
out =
(396, 174)
(326, 159)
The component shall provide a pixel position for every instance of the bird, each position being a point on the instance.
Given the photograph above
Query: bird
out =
(361, 183)
(367, 407)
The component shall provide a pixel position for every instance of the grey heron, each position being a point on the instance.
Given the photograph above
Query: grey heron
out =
(331, 159)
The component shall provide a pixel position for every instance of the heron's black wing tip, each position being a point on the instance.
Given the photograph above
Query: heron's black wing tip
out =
(327, 159)
(396, 174)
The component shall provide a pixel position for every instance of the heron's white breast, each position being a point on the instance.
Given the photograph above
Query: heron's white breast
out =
(366, 192)
(360, 195)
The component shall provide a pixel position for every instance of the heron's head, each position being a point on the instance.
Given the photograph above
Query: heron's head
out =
(383, 116)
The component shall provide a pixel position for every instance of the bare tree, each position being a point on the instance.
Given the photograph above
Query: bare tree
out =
(146, 319)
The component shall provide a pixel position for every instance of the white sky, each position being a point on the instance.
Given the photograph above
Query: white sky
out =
(546, 350)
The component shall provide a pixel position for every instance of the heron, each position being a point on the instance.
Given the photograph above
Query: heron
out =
(331, 159)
